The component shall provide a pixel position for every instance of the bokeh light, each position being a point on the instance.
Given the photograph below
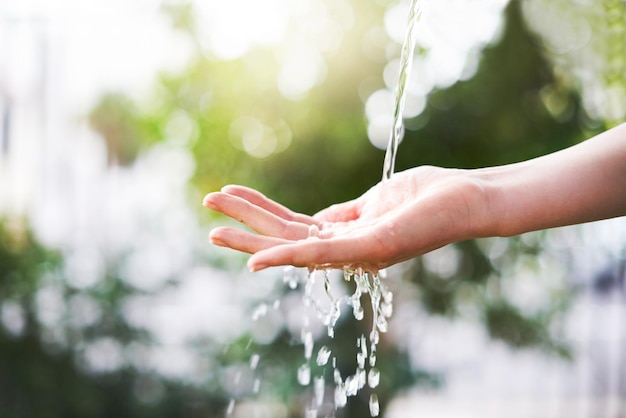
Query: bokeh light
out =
(451, 43)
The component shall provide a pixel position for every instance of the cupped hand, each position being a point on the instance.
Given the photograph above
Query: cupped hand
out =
(416, 211)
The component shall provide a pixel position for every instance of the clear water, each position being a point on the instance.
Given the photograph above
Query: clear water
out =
(365, 283)
(381, 298)
(406, 61)
(374, 406)
(323, 355)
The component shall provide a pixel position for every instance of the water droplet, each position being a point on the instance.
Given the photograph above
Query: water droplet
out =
(304, 374)
(256, 386)
(310, 413)
(362, 378)
(357, 310)
(340, 397)
(318, 388)
(260, 311)
(337, 377)
(332, 317)
(387, 296)
(308, 344)
(386, 309)
(374, 406)
(374, 337)
(362, 354)
(352, 385)
(323, 355)
(373, 377)
(231, 407)
(381, 324)
(373, 359)
(254, 361)
(360, 359)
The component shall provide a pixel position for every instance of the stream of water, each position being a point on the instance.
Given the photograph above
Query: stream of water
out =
(406, 62)
(364, 283)
(366, 373)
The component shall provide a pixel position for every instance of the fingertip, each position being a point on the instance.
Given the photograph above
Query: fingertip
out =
(263, 259)
(254, 266)
(215, 237)
(208, 200)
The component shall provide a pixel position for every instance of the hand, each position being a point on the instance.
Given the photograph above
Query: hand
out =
(424, 208)
(418, 210)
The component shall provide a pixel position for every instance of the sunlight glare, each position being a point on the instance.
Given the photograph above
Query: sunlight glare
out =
(303, 67)
(231, 27)
(451, 32)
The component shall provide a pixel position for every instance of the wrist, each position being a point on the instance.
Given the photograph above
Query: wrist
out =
(493, 215)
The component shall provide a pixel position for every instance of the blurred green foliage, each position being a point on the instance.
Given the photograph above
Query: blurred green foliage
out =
(514, 108)
(39, 377)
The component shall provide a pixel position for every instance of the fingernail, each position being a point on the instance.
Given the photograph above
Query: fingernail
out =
(254, 267)
(208, 201)
(216, 241)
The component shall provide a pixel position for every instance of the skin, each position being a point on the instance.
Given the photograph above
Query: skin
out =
(426, 207)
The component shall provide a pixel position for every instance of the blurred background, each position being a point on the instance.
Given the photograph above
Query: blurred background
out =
(116, 118)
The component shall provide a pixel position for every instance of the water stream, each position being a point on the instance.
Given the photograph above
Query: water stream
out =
(366, 373)
(406, 62)
(363, 282)
(367, 282)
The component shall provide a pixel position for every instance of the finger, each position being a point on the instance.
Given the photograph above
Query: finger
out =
(243, 241)
(333, 252)
(257, 198)
(257, 218)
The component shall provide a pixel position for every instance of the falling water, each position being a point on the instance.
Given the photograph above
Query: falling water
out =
(366, 373)
(406, 60)
(369, 283)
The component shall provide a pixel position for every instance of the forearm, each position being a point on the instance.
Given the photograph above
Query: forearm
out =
(583, 183)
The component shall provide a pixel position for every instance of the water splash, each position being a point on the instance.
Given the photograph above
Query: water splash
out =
(304, 374)
(374, 406)
(406, 61)
(319, 385)
(381, 300)
(373, 377)
(323, 355)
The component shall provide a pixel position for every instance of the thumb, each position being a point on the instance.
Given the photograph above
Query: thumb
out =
(340, 212)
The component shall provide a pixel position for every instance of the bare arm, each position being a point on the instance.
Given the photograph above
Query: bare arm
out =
(424, 208)
(583, 183)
